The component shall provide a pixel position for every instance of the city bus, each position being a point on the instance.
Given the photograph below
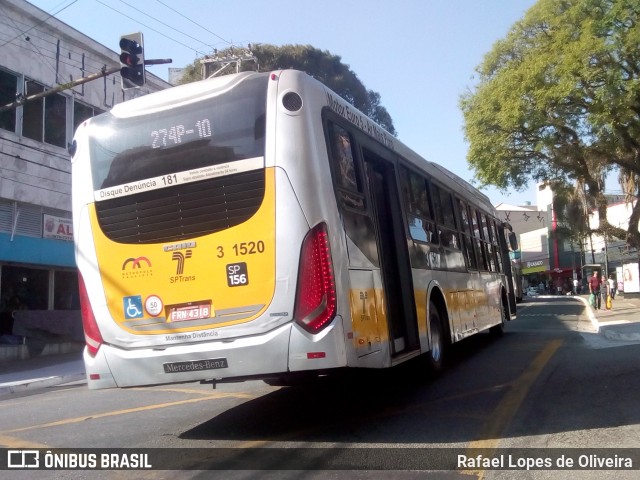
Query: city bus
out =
(258, 226)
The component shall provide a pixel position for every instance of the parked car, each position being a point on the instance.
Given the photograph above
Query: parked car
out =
(532, 291)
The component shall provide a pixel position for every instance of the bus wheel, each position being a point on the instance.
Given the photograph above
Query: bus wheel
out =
(436, 341)
(498, 330)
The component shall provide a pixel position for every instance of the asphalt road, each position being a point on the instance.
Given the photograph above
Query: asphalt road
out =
(550, 383)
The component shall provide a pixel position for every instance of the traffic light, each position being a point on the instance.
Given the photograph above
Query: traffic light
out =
(132, 60)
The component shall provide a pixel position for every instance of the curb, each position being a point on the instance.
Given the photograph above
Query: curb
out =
(591, 314)
(22, 386)
(618, 331)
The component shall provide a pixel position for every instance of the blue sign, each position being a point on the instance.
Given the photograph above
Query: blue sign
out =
(133, 307)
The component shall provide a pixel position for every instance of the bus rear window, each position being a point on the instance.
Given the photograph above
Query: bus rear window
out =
(223, 129)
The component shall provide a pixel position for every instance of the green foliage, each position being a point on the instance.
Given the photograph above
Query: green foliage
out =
(322, 65)
(558, 100)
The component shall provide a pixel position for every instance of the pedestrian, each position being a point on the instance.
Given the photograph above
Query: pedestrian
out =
(604, 292)
(575, 286)
(594, 288)
(612, 287)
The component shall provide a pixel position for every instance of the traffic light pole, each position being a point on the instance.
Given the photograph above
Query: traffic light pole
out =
(65, 86)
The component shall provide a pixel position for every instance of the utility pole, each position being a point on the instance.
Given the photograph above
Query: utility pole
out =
(606, 257)
(245, 55)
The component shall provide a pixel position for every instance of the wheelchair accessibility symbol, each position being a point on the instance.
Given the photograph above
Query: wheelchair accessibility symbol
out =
(133, 307)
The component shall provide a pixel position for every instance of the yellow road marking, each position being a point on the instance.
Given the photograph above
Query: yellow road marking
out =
(13, 442)
(114, 413)
(175, 390)
(506, 410)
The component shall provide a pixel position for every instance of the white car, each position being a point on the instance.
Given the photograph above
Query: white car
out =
(532, 291)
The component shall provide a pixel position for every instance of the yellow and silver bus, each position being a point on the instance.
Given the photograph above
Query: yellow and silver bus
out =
(259, 226)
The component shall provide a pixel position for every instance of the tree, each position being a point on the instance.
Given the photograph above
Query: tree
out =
(322, 65)
(558, 101)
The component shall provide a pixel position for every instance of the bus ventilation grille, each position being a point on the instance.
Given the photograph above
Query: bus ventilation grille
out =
(183, 211)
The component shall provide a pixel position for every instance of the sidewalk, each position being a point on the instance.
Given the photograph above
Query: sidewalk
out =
(622, 324)
(40, 372)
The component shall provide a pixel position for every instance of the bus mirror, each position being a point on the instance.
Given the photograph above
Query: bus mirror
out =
(513, 241)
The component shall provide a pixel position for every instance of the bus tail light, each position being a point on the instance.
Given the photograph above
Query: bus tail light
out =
(316, 291)
(92, 335)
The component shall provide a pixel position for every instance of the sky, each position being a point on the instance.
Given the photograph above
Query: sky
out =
(419, 55)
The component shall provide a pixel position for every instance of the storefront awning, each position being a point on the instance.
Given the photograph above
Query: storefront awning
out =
(537, 269)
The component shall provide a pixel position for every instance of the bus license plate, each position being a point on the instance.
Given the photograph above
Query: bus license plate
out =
(196, 311)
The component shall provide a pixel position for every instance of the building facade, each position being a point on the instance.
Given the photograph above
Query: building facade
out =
(544, 260)
(531, 224)
(38, 53)
(552, 263)
(617, 259)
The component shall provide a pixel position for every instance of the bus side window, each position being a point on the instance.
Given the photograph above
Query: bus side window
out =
(450, 228)
(445, 217)
(343, 157)
(467, 240)
(419, 217)
(496, 244)
(448, 213)
(348, 186)
(481, 251)
(489, 238)
(420, 202)
(437, 207)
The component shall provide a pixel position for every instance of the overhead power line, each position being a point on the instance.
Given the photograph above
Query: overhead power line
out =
(39, 23)
(150, 28)
(166, 24)
(194, 22)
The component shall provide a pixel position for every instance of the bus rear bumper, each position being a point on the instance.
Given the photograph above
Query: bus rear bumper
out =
(278, 351)
(117, 367)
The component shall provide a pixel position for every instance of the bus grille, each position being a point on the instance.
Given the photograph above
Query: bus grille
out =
(184, 211)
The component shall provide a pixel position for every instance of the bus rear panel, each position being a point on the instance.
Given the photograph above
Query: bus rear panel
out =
(184, 273)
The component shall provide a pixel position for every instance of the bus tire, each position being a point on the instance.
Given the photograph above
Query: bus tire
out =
(498, 330)
(437, 343)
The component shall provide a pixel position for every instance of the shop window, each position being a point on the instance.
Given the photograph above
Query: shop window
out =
(65, 291)
(25, 288)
